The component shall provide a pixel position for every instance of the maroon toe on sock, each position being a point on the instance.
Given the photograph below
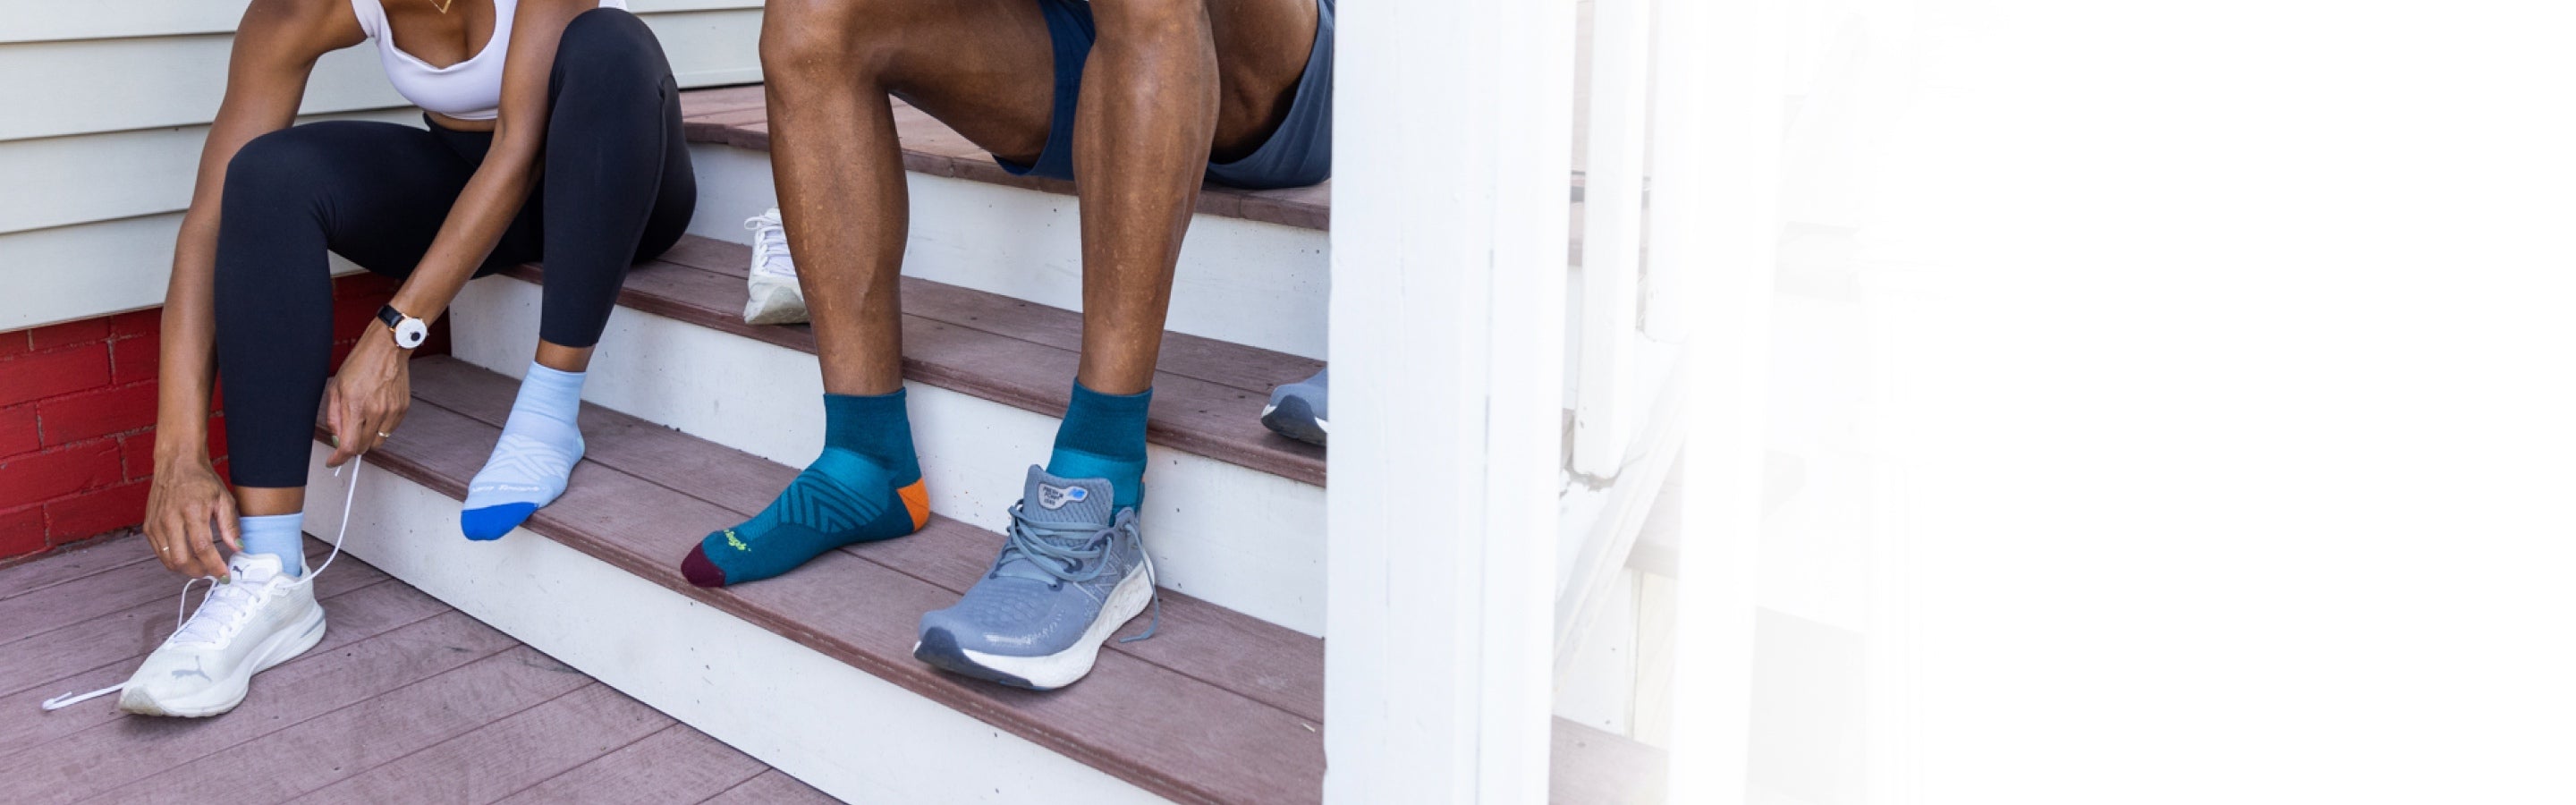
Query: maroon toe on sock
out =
(700, 571)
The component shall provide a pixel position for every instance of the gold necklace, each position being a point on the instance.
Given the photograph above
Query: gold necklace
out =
(443, 7)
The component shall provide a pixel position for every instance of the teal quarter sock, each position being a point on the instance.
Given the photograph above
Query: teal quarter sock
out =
(866, 486)
(1103, 436)
(278, 535)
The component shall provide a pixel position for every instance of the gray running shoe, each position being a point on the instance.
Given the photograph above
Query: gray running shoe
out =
(1296, 410)
(1073, 571)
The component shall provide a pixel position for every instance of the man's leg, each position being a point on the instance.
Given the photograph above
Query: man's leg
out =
(1149, 116)
(1141, 135)
(1169, 84)
(982, 65)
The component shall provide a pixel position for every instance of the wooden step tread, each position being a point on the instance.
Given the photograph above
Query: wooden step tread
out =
(739, 117)
(1217, 707)
(1208, 394)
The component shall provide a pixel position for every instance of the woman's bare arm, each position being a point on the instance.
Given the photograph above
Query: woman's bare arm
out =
(273, 54)
(373, 389)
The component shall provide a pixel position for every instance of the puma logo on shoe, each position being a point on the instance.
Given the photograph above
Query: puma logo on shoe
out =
(199, 672)
(1052, 497)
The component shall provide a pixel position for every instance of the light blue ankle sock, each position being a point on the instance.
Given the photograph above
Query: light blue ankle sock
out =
(1103, 436)
(278, 535)
(534, 458)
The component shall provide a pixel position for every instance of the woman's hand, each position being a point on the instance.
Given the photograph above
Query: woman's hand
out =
(188, 509)
(368, 397)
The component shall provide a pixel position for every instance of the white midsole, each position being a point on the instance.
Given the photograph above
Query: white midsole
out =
(227, 693)
(1063, 668)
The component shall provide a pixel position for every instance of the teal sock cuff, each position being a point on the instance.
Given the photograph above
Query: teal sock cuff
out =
(1108, 425)
(1126, 478)
(1103, 436)
(877, 427)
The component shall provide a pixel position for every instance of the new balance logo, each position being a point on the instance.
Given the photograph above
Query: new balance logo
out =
(1054, 497)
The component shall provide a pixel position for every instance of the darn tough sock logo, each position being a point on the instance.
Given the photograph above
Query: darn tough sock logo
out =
(1054, 497)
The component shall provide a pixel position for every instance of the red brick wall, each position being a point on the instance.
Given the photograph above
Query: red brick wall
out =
(76, 414)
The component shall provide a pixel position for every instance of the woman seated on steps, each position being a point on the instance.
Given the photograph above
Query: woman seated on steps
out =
(476, 191)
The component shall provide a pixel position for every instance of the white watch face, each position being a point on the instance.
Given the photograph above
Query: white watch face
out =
(410, 333)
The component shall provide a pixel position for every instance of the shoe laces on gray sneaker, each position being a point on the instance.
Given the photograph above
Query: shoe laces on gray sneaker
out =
(1061, 551)
(1073, 546)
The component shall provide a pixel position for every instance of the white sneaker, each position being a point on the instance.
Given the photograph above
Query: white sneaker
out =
(775, 297)
(260, 618)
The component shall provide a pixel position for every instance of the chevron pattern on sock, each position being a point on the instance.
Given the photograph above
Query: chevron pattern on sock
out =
(841, 499)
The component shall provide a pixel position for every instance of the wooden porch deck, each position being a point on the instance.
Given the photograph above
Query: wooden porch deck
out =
(405, 700)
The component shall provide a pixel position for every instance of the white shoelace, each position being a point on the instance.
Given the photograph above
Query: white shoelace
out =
(227, 602)
(222, 609)
(769, 237)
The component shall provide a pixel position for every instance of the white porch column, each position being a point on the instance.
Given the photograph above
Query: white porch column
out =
(1452, 128)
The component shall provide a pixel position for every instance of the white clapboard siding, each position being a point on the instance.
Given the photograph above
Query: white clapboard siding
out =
(710, 48)
(107, 109)
(121, 174)
(79, 87)
(58, 21)
(61, 88)
(79, 272)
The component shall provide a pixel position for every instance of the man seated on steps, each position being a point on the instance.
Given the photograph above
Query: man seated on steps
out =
(1136, 101)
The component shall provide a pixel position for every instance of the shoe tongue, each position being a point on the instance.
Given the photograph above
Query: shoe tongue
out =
(1070, 502)
(1074, 504)
(256, 568)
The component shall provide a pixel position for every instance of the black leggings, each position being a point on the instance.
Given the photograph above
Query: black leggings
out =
(615, 188)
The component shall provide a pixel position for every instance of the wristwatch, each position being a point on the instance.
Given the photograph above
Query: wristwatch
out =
(408, 332)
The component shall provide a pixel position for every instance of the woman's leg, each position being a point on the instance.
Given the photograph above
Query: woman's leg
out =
(376, 192)
(618, 187)
(626, 192)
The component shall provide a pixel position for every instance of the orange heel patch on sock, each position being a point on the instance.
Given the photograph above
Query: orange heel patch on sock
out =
(916, 500)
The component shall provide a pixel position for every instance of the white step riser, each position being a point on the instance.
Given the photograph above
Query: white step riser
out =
(854, 736)
(1246, 282)
(1243, 539)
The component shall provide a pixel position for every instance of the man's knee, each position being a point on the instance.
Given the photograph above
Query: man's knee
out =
(1148, 17)
(815, 40)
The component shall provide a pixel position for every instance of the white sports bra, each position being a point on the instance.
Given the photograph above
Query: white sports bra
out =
(466, 90)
